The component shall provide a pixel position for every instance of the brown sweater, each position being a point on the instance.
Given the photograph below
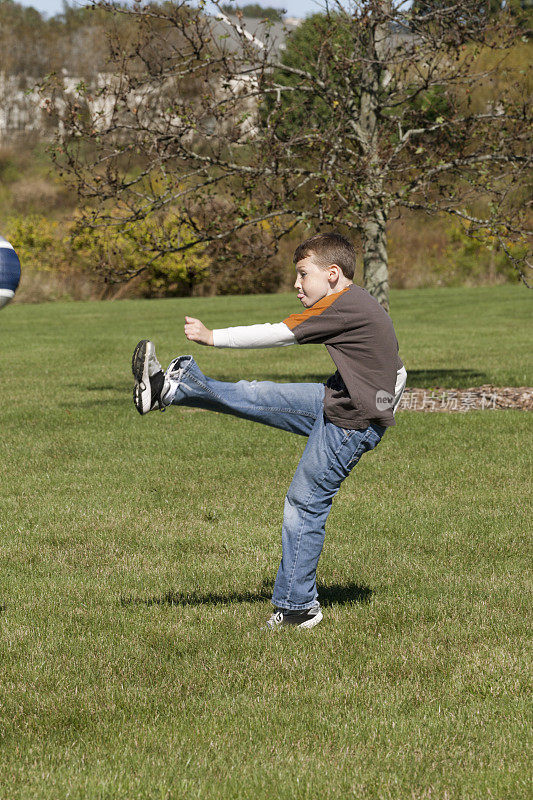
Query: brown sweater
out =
(359, 336)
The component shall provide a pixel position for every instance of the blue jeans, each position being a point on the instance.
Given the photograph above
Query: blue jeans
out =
(330, 454)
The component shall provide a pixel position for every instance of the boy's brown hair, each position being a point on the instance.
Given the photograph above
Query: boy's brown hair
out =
(328, 249)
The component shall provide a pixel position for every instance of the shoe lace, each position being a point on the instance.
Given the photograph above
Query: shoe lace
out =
(175, 375)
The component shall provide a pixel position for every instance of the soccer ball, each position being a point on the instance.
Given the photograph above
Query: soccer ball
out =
(9, 272)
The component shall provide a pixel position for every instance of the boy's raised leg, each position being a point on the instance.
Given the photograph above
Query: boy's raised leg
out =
(292, 407)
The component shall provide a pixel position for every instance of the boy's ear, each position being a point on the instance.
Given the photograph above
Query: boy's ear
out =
(334, 272)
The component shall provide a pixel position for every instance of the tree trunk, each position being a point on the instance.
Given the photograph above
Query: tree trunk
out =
(373, 75)
(375, 259)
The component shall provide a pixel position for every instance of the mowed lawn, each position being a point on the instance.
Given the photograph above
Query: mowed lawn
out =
(137, 558)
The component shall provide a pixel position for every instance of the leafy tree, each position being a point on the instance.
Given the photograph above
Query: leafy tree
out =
(371, 110)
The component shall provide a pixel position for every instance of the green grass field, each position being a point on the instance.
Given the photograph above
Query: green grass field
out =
(137, 558)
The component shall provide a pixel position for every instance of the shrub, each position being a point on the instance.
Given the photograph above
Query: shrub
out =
(36, 240)
(129, 251)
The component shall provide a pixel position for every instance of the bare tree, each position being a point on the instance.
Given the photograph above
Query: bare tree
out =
(202, 130)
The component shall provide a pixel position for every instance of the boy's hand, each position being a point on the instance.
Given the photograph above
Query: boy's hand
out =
(196, 331)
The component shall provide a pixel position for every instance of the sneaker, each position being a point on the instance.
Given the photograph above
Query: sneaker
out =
(307, 618)
(150, 385)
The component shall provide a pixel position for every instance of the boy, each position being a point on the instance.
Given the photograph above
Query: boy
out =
(342, 419)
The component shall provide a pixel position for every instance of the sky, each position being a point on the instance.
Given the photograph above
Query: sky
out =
(295, 8)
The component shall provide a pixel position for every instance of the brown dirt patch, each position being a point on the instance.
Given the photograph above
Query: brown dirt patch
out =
(487, 397)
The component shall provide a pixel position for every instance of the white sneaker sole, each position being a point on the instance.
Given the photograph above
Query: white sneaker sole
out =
(142, 391)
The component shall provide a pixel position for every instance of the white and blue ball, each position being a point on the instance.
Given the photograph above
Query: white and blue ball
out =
(9, 272)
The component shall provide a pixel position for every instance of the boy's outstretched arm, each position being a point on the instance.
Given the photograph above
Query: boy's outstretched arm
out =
(243, 337)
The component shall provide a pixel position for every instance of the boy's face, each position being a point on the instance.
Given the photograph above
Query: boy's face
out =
(312, 281)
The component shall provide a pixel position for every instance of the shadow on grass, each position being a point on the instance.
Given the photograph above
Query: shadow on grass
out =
(102, 401)
(333, 594)
(107, 387)
(94, 395)
(446, 378)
